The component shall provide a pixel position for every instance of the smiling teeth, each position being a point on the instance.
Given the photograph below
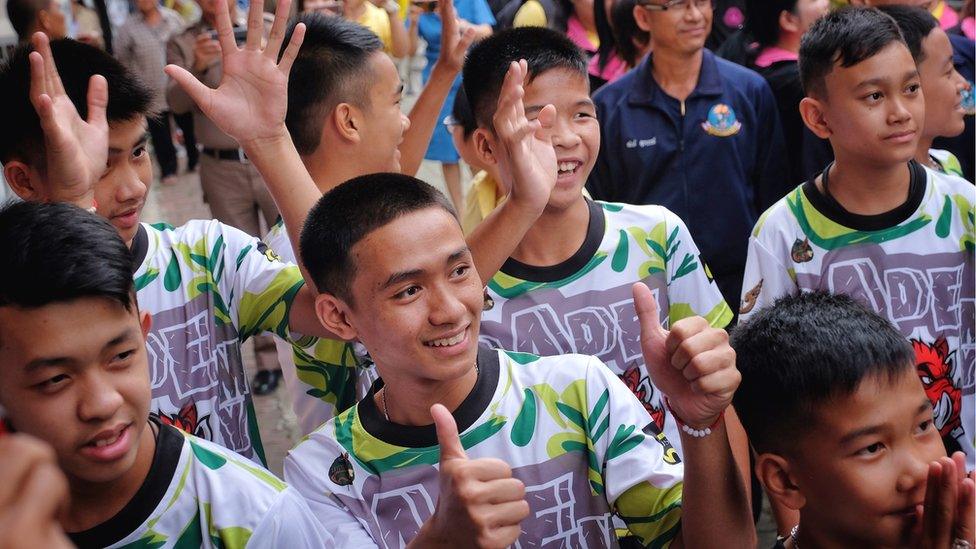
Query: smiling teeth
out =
(107, 441)
(567, 166)
(447, 342)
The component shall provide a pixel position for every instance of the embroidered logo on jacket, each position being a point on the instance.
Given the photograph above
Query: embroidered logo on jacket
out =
(721, 121)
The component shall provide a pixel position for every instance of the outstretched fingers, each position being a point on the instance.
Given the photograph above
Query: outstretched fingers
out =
(97, 101)
(200, 93)
(291, 51)
(255, 25)
(278, 29)
(225, 29)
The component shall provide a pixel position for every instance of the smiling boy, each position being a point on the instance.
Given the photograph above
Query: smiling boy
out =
(942, 85)
(877, 225)
(76, 375)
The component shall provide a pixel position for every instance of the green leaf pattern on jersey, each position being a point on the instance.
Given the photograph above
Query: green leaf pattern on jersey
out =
(830, 235)
(206, 268)
(508, 286)
(968, 217)
(660, 247)
(328, 368)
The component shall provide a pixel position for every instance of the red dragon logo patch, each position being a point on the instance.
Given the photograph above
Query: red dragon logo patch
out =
(644, 391)
(188, 421)
(936, 368)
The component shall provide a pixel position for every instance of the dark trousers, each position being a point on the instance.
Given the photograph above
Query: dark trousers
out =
(162, 140)
(185, 122)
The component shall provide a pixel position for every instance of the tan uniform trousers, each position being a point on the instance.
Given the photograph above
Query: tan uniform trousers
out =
(237, 194)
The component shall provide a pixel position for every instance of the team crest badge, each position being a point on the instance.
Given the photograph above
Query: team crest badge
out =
(801, 252)
(721, 121)
(341, 471)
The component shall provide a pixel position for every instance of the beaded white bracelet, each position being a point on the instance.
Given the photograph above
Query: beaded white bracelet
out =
(696, 433)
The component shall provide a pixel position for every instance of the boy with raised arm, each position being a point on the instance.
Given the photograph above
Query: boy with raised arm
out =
(75, 374)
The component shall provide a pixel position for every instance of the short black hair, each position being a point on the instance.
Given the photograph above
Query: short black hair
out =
(332, 67)
(349, 212)
(23, 14)
(846, 36)
(60, 252)
(22, 137)
(462, 114)
(804, 351)
(763, 20)
(488, 61)
(914, 23)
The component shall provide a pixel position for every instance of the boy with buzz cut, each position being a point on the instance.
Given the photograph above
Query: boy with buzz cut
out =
(876, 224)
(572, 294)
(208, 286)
(942, 85)
(458, 443)
(843, 430)
(75, 374)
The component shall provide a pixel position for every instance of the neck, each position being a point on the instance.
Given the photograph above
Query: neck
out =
(812, 537)
(151, 15)
(866, 189)
(676, 72)
(789, 42)
(93, 503)
(409, 398)
(329, 172)
(538, 248)
(922, 152)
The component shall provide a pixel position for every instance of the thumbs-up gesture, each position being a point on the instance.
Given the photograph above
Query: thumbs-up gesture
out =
(693, 363)
(479, 503)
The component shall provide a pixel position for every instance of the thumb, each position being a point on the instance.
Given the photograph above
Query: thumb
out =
(97, 100)
(197, 91)
(652, 333)
(447, 434)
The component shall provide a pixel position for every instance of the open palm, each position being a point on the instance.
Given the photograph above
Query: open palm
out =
(76, 149)
(527, 158)
(252, 99)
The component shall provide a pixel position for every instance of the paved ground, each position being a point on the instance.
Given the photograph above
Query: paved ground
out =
(183, 201)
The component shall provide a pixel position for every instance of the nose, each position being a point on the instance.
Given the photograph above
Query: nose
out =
(130, 187)
(914, 471)
(899, 113)
(445, 306)
(564, 134)
(406, 121)
(100, 399)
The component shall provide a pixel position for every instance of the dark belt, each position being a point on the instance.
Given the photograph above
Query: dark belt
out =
(226, 154)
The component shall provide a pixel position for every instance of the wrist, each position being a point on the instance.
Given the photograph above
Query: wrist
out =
(443, 71)
(426, 538)
(698, 427)
(267, 145)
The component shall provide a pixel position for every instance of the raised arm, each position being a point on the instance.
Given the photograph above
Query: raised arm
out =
(694, 366)
(425, 112)
(250, 105)
(75, 149)
(527, 164)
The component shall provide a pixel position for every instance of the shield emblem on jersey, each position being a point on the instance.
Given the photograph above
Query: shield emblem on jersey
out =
(341, 471)
(721, 121)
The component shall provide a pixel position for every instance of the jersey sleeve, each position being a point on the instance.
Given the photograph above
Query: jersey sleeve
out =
(691, 289)
(641, 472)
(306, 470)
(766, 279)
(262, 285)
(289, 523)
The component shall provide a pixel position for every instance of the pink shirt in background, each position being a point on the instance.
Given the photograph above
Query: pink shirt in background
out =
(772, 55)
(577, 33)
(947, 16)
(968, 26)
(615, 68)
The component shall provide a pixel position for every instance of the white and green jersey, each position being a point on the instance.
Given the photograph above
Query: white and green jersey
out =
(912, 265)
(208, 287)
(321, 374)
(585, 304)
(198, 494)
(946, 161)
(570, 430)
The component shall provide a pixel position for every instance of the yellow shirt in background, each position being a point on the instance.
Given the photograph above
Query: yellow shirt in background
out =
(482, 199)
(531, 14)
(377, 20)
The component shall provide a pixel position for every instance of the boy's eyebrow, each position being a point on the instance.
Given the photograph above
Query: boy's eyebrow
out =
(581, 103)
(143, 139)
(910, 74)
(873, 429)
(46, 362)
(399, 277)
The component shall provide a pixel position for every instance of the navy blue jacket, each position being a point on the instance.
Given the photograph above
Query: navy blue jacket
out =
(714, 171)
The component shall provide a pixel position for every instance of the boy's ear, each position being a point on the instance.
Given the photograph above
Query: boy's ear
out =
(775, 473)
(332, 313)
(642, 18)
(814, 116)
(145, 321)
(484, 146)
(789, 22)
(24, 181)
(347, 121)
